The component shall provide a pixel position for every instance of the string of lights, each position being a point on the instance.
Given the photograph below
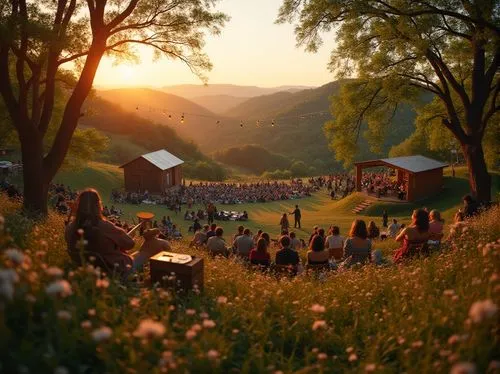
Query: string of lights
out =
(182, 117)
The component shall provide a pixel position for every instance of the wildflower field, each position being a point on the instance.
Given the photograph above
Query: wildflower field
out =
(437, 314)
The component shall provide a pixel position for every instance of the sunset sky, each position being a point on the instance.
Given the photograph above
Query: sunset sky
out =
(251, 50)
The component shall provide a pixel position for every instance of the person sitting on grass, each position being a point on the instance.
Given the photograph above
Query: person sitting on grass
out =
(286, 255)
(393, 228)
(216, 245)
(256, 237)
(211, 232)
(243, 244)
(373, 231)
(334, 243)
(295, 243)
(316, 255)
(357, 248)
(414, 237)
(104, 240)
(238, 233)
(260, 255)
(176, 232)
(436, 224)
(200, 237)
(152, 245)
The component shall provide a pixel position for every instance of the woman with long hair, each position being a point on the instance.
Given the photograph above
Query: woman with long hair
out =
(260, 255)
(373, 230)
(335, 243)
(284, 223)
(317, 255)
(357, 248)
(98, 237)
(414, 237)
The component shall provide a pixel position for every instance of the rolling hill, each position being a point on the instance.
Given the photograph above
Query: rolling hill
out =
(191, 91)
(286, 123)
(219, 103)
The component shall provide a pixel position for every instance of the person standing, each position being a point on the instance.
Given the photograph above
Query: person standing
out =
(297, 215)
(385, 219)
(285, 225)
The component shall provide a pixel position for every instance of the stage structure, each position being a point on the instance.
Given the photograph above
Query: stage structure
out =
(155, 172)
(421, 176)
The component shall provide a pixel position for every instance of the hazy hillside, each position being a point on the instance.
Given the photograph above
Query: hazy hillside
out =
(298, 118)
(191, 91)
(286, 103)
(164, 109)
(219, 103)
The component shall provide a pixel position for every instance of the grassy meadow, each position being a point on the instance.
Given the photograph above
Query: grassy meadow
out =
(318, 209)
(431, 315)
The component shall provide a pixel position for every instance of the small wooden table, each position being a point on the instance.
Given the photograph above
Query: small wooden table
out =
(179, 271)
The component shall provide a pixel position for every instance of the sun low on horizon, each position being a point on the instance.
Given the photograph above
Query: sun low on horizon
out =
(251, 50)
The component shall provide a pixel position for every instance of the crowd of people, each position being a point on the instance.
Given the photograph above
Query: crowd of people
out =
(383, 184)
(324, 249)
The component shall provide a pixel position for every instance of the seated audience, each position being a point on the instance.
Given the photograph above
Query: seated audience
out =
(103, 238)
(243, 244)
(286, 255)
(152, 245)
(414, 237)
(470, 206)
(200, 237)
(357, 248)
(436, 224)
(295, 243)
(260, 255)
(211, 232)
(316, 255)
(373, 230)
(393, 228)
(334, 243)
(216, 245)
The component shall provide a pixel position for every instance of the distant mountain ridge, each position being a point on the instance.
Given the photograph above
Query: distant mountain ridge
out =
(191, 91)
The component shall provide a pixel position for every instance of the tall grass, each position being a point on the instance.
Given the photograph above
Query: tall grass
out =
(414, 318)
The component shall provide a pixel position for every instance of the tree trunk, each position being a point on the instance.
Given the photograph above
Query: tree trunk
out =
(35, 183)
(479, 178)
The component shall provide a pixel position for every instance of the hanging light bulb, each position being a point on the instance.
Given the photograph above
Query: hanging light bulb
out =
(272, 123)
(170, 117)
(241, 123)
(182, 118)
(258, 123)
(218, 122)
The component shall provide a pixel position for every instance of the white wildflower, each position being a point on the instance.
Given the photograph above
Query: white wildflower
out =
(208, 323)
(102, 283)
(101, 334)
(481, 310)
(317, 308)
(221, 300)
(149, 329)
(54, 271)
(320, 324)
(59, 287)
(64, 315)
(463, 368)
(213, 354)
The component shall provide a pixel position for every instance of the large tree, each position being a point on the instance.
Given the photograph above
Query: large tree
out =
(42, 41)
(399, 49)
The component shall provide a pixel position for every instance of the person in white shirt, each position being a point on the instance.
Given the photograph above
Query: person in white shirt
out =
(334, 243)
(243, 244)
(295, 243)
(393, 228)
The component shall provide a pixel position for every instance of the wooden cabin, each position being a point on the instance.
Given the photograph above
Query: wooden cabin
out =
(155, 172)
(422, 176)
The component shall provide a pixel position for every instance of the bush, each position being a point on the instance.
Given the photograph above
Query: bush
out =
(277, 174)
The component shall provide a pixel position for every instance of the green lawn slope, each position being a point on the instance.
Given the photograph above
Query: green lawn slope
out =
(318, 209)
